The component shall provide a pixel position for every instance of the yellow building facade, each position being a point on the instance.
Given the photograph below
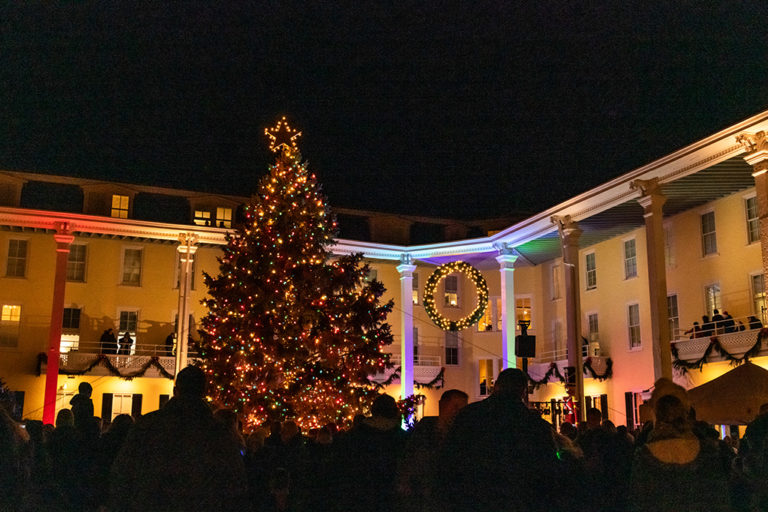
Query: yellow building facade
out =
(587, 274)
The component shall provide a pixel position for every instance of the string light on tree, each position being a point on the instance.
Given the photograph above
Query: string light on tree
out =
(290, 332)
(431, 286)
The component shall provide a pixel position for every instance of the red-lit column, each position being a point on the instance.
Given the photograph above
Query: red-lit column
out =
(569, 242)
(63, 240)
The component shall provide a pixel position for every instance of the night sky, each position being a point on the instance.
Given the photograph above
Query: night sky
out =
(451, 109)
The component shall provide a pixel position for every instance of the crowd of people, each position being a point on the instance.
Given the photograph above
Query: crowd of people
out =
(496, 454)
(721, 323)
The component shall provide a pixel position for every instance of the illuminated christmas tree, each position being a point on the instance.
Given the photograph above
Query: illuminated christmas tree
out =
(291, 332)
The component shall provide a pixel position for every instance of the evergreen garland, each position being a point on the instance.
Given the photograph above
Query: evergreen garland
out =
(103, 360)
(716, 346)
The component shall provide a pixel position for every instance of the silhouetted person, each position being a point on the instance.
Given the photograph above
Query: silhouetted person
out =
(754, 322)
(418, 470)
(82, 405)
(170, 344)
(108, 342)
(729, 324)
(179, 457)
(707, 327)
(497, 451)
(125, 344)
(694, 331)
(377, 442)
(717, 322)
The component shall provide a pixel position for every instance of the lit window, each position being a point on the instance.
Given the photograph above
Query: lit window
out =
(132, 267)
(10, 319)
(753, 223)
(76, 263)
(486, 377)
(708, 234)
(119, 206)
(630, 259)
(452, 291)
(591, 271)
(224, 217)
(633, 323)
(17, 258)
(758, 296)
(202, 218)
(415, 287)
(674, 317)
(486, 322)
(557, 281)
(712, 298)
(523, 311)
(128, 321)
(451, 348)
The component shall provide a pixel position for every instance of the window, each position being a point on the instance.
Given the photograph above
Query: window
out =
(753, 223)
(415, 287)
(557, 281)
(202, 218)
(594, 327)
(122, 403)
(451, 348)
(415, 344)
(76, 263)
(17, 258)
(523, 310)
(669, 255)
(758, 296)
(10, 319)
(557, 334)
(71, 319)
(119, 206)
(673, 316)
(179, 271)
(486, 377)
(712, 298)
(132, 267)
(452, 291)
(708, 235)
(630, 259)
(633, 323)
(128, 321)
(591, 271)
(224, 217)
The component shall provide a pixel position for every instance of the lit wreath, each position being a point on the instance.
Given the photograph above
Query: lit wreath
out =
(429, 295)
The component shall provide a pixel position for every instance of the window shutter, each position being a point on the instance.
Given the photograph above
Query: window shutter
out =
(164, 400)
(629, 405)
(604, 406)
(136, 405)
(106, 406)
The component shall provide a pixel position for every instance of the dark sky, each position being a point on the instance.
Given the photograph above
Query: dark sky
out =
(453, 109)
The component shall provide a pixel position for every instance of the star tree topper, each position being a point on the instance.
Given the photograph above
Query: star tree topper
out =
(282, 137)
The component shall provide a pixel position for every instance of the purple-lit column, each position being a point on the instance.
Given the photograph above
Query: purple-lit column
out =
(187, 248)
(569, 242)
(506, 259)
(756, 145)
(652, 201)
(63, 240)
(406, 327)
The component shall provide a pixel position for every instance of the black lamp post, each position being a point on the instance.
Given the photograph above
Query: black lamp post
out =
(525, 346)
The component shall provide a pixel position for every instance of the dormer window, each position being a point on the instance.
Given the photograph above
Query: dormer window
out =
(224, 217)
(202, 217)
(119, 206)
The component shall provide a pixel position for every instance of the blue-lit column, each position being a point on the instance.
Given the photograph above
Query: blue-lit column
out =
(506, 259)
(406, 327)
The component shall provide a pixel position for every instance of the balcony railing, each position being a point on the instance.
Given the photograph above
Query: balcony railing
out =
(735, 343)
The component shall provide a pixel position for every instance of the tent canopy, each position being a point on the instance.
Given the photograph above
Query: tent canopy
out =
(734, 398)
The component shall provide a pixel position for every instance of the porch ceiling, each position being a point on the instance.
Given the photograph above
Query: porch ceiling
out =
(689, 192)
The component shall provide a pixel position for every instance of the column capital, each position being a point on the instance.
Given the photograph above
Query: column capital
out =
(406, 270)
(756, 145)
(568, 229)
(507, 255)
(651, 197)
(63, 235)
(187, 243)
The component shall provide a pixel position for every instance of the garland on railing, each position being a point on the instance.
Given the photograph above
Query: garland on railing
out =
(554, 370)
(103, 360)
(714, 344)
(438, 382)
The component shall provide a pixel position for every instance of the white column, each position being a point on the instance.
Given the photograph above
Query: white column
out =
(406, 327)
(187, 249)
(506, 260)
